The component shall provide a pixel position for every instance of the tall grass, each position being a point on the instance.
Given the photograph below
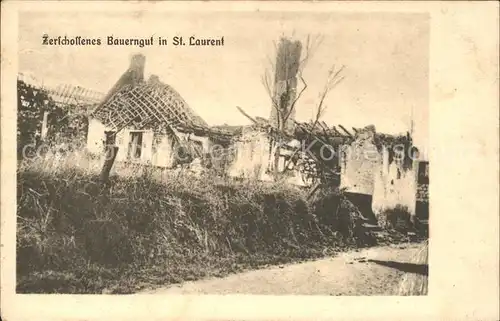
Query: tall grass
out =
(156, 227)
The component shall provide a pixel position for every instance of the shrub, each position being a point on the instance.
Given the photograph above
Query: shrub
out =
(397, 218)
(150, 218)
(172, 224)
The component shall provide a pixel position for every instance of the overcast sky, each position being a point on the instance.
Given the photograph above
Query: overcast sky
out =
(385, 57)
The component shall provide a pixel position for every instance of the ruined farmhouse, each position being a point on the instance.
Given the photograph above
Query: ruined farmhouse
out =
(151, 124)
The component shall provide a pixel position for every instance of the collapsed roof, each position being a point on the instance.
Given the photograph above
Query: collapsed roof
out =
(142, 103)
(66, 94)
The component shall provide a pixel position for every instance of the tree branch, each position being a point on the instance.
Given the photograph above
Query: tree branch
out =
(292, 107)
(332, 82)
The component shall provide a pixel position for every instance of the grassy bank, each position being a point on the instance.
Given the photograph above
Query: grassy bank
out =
(152, 230)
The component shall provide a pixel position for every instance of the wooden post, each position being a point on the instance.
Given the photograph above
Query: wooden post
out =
(43, 131)
(111, 152)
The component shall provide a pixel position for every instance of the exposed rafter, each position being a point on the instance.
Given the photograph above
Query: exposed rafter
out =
(133, 100)
(65, 94)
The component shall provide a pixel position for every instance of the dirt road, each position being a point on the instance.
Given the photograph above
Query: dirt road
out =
(388, 270)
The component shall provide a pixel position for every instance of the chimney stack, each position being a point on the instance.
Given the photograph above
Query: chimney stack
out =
(136, 68)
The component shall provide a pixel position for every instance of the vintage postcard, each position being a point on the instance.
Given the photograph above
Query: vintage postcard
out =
(249, 160)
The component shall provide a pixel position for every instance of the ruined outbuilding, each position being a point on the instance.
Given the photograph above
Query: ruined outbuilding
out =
(152, 124)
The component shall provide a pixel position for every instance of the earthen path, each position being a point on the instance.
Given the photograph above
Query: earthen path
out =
(387, 270)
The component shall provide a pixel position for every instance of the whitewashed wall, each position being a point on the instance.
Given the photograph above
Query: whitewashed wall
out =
(252, 156)
(122, 140)
(95, 136)
(147, 146)
(394, 186)
(162, 155)
(205, 141)
(359, 165)
(388, 183)
(254, 159)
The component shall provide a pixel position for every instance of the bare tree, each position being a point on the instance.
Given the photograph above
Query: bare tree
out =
(292, 58)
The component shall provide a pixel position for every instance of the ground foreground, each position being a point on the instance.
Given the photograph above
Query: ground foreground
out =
(74, 237)
(388, 270)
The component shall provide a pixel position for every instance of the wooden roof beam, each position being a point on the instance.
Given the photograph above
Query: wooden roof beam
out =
(246, 115)
(336, 131)
(346, 131)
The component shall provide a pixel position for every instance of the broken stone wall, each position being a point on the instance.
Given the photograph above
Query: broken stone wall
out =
(359, 162)
(394, 186)
(253, 159)
(166, 151)
(366, 170)
(252, 155)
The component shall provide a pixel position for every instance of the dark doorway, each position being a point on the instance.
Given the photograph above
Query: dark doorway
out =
(364, 203)
(135, 145)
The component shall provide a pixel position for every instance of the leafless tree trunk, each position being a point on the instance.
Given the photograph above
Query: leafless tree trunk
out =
(291, 60)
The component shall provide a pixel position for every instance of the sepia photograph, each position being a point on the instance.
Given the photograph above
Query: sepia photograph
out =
(219, 159)
(249, 160)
